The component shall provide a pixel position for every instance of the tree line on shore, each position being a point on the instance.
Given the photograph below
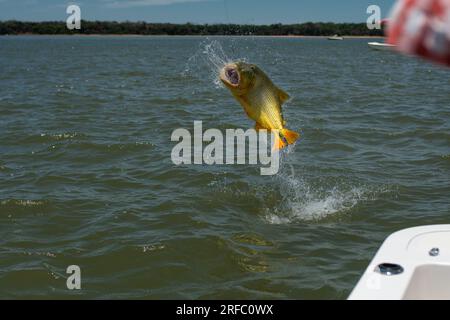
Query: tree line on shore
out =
(145, 28)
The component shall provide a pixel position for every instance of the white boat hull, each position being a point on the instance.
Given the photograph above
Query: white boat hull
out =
(413, 264)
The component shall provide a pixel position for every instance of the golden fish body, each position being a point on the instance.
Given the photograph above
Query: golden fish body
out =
(260, 98)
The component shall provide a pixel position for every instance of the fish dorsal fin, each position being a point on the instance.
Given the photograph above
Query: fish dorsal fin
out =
(283, 96)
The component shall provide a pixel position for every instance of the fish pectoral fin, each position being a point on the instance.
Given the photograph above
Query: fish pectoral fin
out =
(283, 96)
(247, 110)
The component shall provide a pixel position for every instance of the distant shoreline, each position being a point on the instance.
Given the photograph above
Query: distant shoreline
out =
(89, 28)
(184, 36)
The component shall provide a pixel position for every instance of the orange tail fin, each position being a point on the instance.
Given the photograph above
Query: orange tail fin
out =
(290, 136)
(286, 138)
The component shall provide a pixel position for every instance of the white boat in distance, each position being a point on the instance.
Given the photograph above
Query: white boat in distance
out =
(335, 37)
(412, 264)
(381, 46)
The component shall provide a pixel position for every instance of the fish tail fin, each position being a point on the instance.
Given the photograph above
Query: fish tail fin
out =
(290, 136)
(286, 137)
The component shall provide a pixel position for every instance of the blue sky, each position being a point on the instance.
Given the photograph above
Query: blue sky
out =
(196, 11)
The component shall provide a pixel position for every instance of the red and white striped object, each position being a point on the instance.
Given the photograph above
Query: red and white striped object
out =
(422, 27)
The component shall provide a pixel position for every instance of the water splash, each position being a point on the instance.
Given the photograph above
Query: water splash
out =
(215, 54)
(304, 201)
(211, 57)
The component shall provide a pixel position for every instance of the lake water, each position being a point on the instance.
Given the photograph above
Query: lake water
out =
(86, 176)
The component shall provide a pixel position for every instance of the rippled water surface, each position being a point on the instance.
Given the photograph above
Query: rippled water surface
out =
(86, 176)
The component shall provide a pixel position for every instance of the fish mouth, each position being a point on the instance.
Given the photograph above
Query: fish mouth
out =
(230, 75)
